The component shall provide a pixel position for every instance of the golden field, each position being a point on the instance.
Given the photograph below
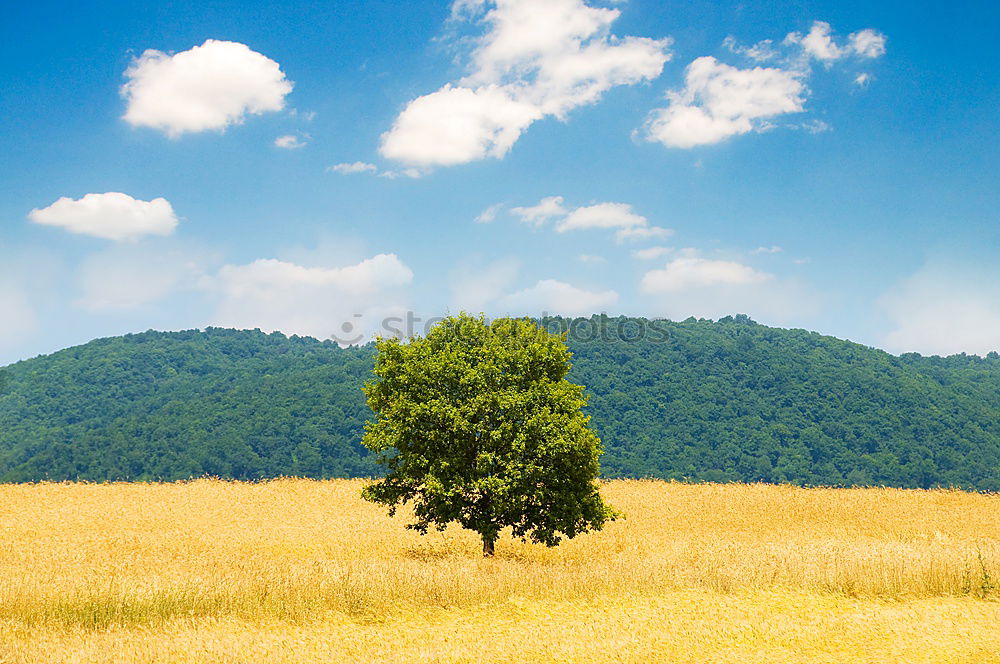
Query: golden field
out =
(305, 571)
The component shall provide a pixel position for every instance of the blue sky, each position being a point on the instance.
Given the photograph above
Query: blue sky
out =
(296, 166)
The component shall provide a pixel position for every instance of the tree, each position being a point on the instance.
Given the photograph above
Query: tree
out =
(477, 424)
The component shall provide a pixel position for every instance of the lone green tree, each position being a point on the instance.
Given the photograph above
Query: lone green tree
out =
(477, 424)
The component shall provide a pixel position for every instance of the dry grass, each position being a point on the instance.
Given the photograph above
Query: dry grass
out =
(303, 571)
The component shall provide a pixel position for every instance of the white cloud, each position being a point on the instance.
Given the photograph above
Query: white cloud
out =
(488, 215)
(352, 168)
(693, 286)
(814, 126)
(267, 277)
(720, 101)
(355, 167)
(289, 142)
(456, 125)
(601, 215)
(760, 52)
(608, 215)
(688, 272)
(639, 233)
(944, 309)
(652, 253)
(406, 172)
(547, 209)
(590, 259)
(818, 43)
(557, 297)
(207, 87)
(474, 286)
(464, 10)
(113, 216)
(774, 249)
(121, 278)
(536, 59)
(862, 79)
(868, 43)
(346, 302)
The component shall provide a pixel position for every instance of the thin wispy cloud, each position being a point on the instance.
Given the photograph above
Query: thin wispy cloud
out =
(350, 168)
(289, 142)
(620, 217)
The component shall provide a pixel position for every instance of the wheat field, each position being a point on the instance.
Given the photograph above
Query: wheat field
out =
(305, 571)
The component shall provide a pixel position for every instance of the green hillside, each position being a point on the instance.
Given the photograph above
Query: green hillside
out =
(701, 400)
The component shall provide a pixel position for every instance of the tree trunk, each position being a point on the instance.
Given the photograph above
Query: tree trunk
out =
(489, 546)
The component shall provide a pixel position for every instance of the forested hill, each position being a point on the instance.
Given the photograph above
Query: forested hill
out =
(698, 400)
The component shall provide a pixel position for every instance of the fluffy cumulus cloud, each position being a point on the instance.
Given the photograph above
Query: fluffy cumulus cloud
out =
(207, 87)
(456, 125)
(486, 288)
(606, 215)
(536, 59)
(944, 309)
(601, 215)
(687, 272)
(550, 296)
(692, 285)
(719, 101)
(346, 303)
(307, 292)
(868, 43)
(820, 44)
(112, 216)
(817, 43)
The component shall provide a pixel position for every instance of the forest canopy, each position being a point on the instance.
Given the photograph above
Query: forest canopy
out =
(697, 400)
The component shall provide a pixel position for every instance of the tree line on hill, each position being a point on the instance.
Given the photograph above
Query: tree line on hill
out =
(695, 400)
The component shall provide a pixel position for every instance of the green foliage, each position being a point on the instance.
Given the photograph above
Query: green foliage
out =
(735, 401)
(173, 405)
(693, 400)
(477, 424)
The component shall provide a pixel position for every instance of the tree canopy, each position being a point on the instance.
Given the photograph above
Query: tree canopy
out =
(477, 424)
(694, 400)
